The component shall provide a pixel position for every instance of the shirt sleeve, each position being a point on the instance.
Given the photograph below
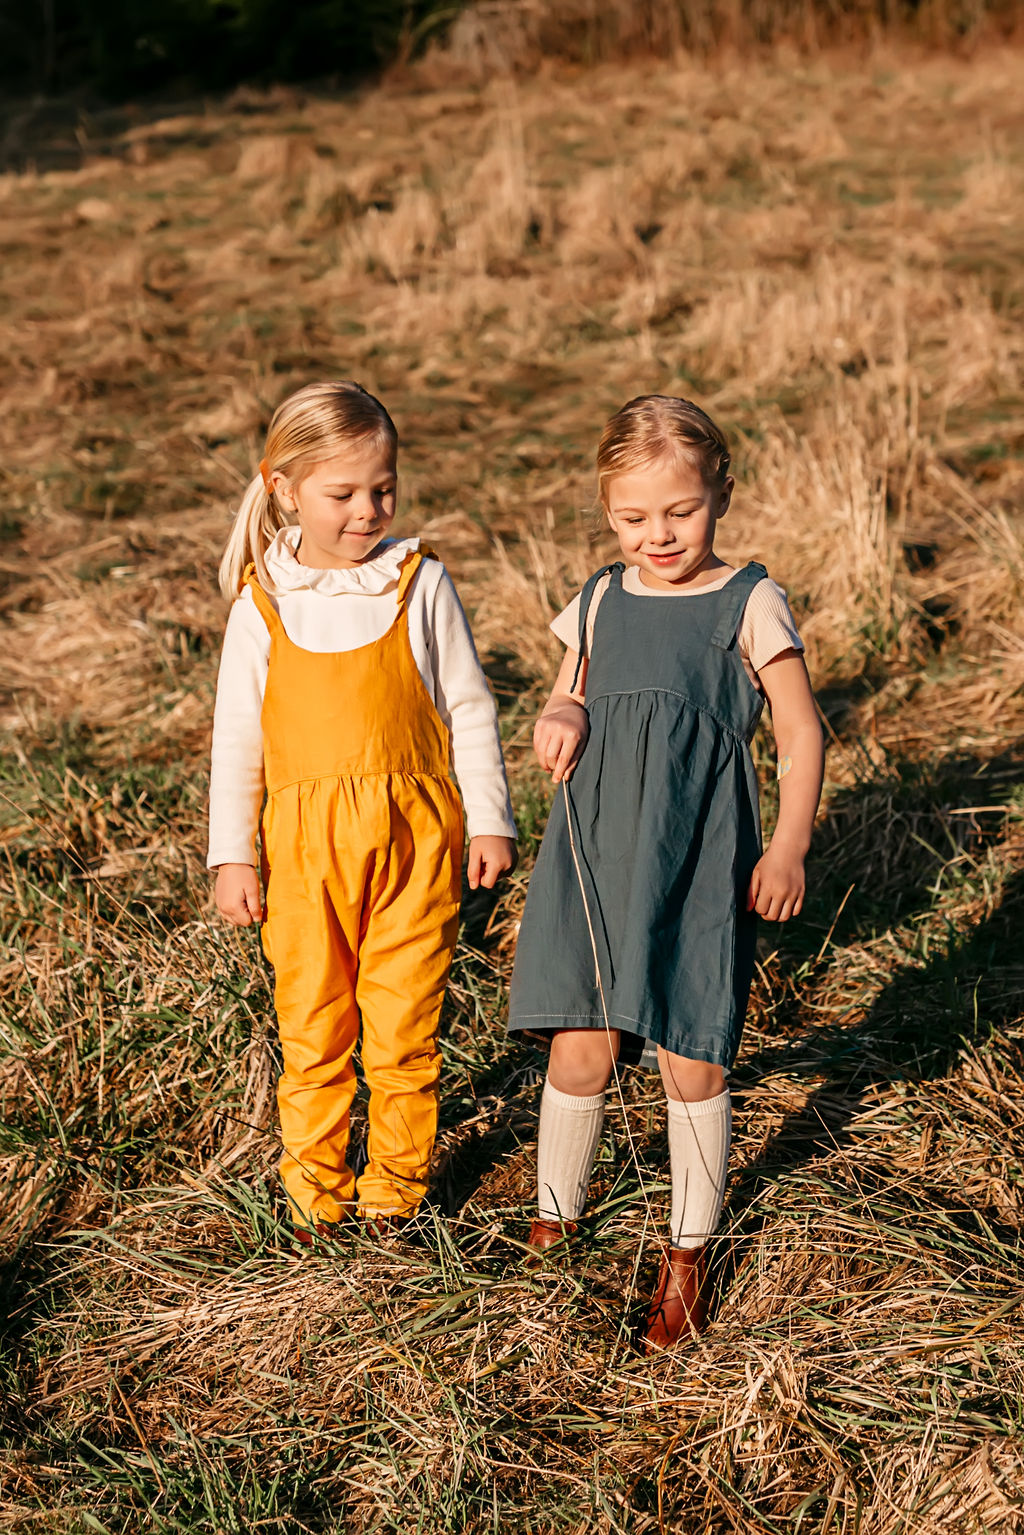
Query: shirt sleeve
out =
(236, 759)
(466, 706)
(768, 626)
(566, 627)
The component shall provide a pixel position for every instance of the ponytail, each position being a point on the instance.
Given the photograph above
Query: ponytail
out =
(258, 520)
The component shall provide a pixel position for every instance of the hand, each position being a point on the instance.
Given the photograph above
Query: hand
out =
(489, 859)
(777, 885)
(559, 738)
(237, 894)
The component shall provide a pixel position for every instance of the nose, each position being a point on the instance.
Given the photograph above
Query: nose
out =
(365, 509)
(661, 533)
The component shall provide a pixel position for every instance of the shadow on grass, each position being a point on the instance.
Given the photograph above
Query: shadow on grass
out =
(960, 990)
(892, 842)
(503, 1115)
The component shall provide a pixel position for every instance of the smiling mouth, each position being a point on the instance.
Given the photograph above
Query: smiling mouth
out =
(673, 554)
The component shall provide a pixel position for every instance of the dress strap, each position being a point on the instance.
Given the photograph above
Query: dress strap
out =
(264, 607)
(586, 597)
(734, 596)
(410, 565)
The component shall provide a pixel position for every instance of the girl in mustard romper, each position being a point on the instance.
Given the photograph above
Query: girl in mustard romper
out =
(348, 689)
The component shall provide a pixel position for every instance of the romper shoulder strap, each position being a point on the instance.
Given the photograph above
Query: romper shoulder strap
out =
(410, 565)
(264, 607)
(734, 596)
(586, 598)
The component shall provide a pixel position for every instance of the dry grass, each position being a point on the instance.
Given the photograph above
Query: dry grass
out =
(826, 254)
(522, 34)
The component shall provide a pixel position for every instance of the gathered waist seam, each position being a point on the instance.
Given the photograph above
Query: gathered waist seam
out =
(421, 773)
(686, 699)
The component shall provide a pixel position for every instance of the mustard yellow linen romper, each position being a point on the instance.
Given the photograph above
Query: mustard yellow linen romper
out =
(362, 838)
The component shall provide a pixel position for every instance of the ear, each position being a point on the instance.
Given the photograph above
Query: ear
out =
(283, 491)
(725, 496)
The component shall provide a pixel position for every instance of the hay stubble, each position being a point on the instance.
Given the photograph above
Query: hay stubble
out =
(826, 254)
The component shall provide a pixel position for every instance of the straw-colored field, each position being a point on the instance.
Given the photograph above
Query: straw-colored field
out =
(826, 254)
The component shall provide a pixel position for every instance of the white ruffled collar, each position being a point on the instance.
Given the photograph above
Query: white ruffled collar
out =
(371, 579)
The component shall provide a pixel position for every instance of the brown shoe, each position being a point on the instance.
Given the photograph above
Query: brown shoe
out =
(546, 1233)
(679, 1308)
(380, 1227)
(305, 1236)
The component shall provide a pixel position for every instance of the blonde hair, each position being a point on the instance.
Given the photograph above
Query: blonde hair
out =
(655, 426)
(313, 424)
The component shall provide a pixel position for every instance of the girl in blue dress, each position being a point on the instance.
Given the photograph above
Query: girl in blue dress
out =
(637, 941)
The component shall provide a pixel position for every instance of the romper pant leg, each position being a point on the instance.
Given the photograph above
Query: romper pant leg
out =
(311, 937)
(404, 959)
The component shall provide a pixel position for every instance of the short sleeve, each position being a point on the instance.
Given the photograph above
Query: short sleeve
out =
(566, 627)
(768, 626)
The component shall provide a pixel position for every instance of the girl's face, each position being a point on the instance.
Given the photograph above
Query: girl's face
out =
(665, 517)
(344, 507)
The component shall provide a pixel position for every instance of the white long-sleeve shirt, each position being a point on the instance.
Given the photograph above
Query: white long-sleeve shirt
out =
(338, 610)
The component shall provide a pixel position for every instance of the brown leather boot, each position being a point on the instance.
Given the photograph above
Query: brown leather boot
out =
(380, 1227)
(546, 1233)
(679, 1309)
(329, 1230)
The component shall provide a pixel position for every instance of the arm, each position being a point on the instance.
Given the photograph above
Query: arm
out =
(236, 769)
(466, 706)
(560, 735)
(777, 883)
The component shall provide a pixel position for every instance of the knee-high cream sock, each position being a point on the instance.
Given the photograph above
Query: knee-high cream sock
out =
(698, 1146)
(567, 1140)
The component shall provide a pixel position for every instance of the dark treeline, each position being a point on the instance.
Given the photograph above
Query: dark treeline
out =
(121, 47)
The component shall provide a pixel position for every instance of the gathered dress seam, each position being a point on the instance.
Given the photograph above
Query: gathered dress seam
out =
(686, 699)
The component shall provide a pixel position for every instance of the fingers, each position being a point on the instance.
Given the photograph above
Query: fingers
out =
(776, 890)
(489, 858)
(249, 902)
(777, 905)
(542, 745)
(237, 914)
(566, 760)
(558, 747)
(484, 872)
(570, 752)
(240, 914)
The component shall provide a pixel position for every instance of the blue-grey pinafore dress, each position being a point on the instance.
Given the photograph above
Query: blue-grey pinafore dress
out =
(664, 808)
